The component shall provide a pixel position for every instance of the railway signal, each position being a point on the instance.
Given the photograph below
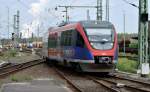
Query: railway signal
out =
(13, 36)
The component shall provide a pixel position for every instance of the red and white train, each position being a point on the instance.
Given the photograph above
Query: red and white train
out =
(90, 46)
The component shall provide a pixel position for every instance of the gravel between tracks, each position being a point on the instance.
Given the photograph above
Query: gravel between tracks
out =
(26, 75)
(82, 82)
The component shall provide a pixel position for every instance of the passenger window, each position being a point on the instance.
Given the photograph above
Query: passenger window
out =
(52, 41)
(66, 38)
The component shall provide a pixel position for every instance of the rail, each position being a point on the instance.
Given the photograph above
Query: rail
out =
(4, 71)
(79, 81)
(118, 83)
(83, 83)
(68, 80)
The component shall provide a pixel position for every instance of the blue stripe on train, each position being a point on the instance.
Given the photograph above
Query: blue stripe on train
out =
(77, 53)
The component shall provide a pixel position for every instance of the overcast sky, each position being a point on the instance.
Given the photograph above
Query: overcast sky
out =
(43, 13)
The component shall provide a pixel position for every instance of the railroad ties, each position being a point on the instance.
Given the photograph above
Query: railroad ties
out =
(4, 71)
(82, 82)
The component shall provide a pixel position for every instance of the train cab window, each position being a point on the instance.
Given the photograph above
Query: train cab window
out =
(80, 40)
(112, 36)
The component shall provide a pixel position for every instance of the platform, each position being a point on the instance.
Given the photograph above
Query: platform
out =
(38, 85)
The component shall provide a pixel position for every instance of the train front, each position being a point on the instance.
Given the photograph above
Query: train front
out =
(103, 47)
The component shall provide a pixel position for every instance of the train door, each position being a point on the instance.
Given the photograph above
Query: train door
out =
(79, 40)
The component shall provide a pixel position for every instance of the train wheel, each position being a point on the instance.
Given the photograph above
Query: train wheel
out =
(65, 63)
(76, 67)
(73, 65)
(48, 62)
(113, 70)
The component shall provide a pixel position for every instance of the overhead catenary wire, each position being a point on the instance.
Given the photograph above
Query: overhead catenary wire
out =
(131, 3)
(23, 4)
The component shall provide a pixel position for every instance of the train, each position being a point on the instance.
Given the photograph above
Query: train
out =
(88, 46)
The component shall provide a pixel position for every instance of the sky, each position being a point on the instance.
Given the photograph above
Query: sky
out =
(42, 13)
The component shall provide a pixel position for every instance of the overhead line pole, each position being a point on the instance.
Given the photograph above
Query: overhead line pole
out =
(98, 7)
(66, 9)
(143, 37)
(8, 21)
(124, 28)
(18, 26)
(14, 33)
(99, 10)
(107, 10)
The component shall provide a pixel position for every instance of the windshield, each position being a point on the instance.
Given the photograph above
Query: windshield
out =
(101, 38)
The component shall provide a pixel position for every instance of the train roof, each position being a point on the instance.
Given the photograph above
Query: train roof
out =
(91, 24)
(96, 24)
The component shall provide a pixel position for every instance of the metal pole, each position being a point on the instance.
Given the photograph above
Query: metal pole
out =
(14, 27)
(37, 36)
(149, 40)
(38, 31)
(143, 36)
(107, 10)
(18, 21)
(88, 14)
(99, 10)
(8, 23)
(28, 36)
(66, 13)
(66, 10)
(124, 23)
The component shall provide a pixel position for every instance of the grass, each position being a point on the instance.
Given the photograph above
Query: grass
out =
(127, 54)
(127, 65)
(12, 53)
(8, 54)
(16, 78)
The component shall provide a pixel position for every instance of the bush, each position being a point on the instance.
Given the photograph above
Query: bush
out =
(127, 65)
(13, 53)
(133, 45)
(1, 54)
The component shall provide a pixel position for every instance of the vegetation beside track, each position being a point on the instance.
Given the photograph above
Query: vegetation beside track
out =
(8, 54)
(127, 65)
(127, 54)
(16, 56)
(15, 78)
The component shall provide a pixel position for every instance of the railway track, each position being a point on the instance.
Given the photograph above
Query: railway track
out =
(117, 76)
(123, 84)
(4, 71)
(82, 83)
(37, 51)
(87, 83)
(120, 86)
(131, 83)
